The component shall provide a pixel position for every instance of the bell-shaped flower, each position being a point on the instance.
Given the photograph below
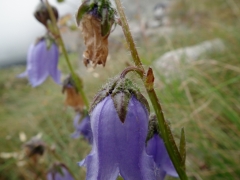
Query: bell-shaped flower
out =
(119, 122)
(82, 127)
(42, 62)
(157, 149)
(59, 172)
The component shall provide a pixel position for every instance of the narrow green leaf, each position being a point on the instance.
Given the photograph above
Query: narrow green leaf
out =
(85, 7)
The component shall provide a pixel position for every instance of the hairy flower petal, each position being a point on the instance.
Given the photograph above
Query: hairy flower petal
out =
(119, 148)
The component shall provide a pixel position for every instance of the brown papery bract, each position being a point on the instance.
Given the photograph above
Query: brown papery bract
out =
(96, 44)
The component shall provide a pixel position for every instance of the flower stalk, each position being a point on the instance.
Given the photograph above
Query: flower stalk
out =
(149, 85)
(59, 39)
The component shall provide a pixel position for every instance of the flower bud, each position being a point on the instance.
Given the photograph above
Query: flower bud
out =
(42, 15)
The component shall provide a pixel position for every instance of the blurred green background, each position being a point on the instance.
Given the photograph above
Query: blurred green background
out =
(206, 101)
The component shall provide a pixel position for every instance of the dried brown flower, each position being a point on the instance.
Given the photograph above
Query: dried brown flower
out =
(34, 148)
(96, 44)
(73, 99)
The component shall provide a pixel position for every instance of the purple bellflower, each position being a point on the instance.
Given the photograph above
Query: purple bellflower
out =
(42, 62)
(157, 149)
(59, 172)
(82, 128)
(119, 122)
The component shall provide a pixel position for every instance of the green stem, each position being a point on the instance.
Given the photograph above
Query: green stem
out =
(128, 35)
(132, 68)
(64, 51)
(165, 131)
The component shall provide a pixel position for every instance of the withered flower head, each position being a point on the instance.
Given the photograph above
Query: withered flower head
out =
(73, 98)
(42, 15)
(34, 148)
(96, 20)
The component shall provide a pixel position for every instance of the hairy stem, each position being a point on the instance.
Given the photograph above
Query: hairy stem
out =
(64, 51)
(132, 68)
(148, 82)
(128, 35)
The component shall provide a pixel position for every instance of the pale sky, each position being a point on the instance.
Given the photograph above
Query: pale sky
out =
(19, 27)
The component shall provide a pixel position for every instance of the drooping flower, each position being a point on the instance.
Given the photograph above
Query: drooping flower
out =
(41, 63)
(119, 122)
(96, 20)
(59, 172)
(83, 127)
(157, 149)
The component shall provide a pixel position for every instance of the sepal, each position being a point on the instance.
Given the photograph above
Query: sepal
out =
(121, 90)
(84, 8)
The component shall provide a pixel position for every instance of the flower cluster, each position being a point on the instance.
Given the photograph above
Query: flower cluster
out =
(125, 140)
